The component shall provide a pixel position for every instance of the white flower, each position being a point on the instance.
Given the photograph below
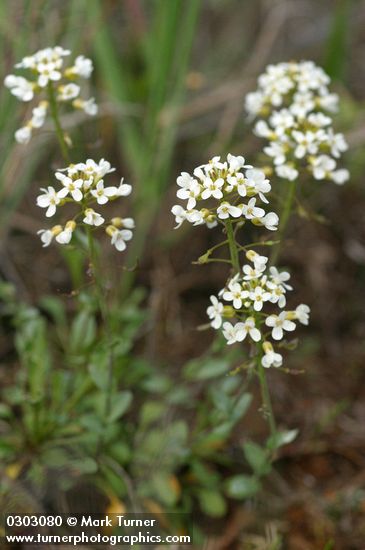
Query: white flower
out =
(83, 66)
(250, 328)
(277, 151)
(128, 223)
(190, 193)
(234, 333)
(254, 102)
(271, 359)
(323, 166)
(119, 238)
(262, 129)
(215, 312)
(235, 294)
(24, 134)
(103, 194)
(287, 172)
(329, 102)
(279, 323)
(102, 168)
(258, 261)
(72, 187)
(280, 120)
(48, 200)
(239, 331)
(251, 211)
(225, 210)
(87, 105)
(92, 168)
(259, 296)
(257, 180)
(340, 176)
(46, 236)
(47, 72)
(306, 143)
(65, 236)
(180, 214)
(93, 218)
(185, 180)
(319, 119)
(212, 188)
(251, 273)
(270, 221)
(124, 189)
(302, 314)
(280, 278)
(302, 104)
(236, 163)
(90, 107)
(20, 87)
(277, 294)
(68, 92)
(39, 114)
(336, 142)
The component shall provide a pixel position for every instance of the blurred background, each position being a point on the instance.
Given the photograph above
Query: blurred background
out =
(170, 79)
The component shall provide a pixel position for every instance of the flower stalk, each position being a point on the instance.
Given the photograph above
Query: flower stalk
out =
(265, 393)
(57, 124)
(102, 305)
(287, 205)
(233, 249)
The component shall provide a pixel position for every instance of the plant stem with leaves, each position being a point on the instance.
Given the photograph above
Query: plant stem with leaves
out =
(94, 269)
(234, 249)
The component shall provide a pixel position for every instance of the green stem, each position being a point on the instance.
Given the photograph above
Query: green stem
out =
(56, 120)
(106, 323)
(233, 250)
(288, 199)
(266, 396)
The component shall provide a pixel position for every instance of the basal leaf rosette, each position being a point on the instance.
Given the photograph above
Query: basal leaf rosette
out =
(224, 190)
(252, 308)
(82, 185)
(292, 105)
(44, 73)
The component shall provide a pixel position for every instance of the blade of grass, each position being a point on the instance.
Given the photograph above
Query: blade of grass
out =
(337, 43)
(113, 72)
(162, 139)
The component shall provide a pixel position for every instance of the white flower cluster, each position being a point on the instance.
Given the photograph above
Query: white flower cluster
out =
(45, 70)
(249, 294)
(219, 190)
(293, 105)
(83, 185)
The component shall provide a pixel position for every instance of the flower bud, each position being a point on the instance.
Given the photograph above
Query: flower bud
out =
(70, 225)
(110, 230)
(251, 255)
(267, 170)
(267, 347)
(228, 312)
(117, 222)
(56, 229)
(291, 315)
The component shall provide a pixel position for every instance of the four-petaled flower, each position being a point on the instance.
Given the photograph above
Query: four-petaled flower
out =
(279, 323)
